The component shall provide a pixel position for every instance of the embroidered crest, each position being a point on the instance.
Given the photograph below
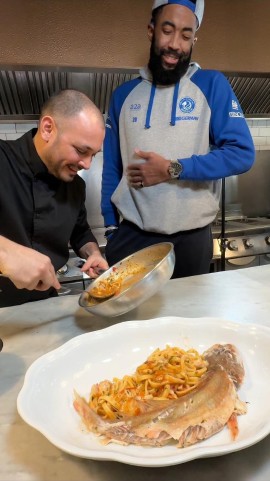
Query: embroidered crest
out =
(187, 105)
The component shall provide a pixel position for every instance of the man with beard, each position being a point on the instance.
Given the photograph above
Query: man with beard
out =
(172, 134)
(42, 199)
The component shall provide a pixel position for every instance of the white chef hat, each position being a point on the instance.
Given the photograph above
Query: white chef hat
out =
(196, 6)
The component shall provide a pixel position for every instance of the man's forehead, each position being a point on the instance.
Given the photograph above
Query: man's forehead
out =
(177, 16)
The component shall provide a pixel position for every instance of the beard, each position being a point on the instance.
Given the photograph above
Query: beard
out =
(164, 76)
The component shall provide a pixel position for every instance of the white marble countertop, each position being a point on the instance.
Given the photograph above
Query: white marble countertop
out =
(30, 330)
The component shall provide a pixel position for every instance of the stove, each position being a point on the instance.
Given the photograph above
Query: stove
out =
(244, 237)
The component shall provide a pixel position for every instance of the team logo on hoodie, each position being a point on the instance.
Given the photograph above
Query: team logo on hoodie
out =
(187, 105)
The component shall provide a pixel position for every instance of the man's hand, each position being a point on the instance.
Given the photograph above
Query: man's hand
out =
(26, 268)
(94, 260)
(152, 172)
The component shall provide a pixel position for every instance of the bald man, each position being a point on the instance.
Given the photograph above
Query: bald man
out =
(42, 199)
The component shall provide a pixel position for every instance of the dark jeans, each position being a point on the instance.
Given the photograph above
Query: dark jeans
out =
(193, 248)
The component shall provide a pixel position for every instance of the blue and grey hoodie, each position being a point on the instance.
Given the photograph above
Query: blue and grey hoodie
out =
(198, 121)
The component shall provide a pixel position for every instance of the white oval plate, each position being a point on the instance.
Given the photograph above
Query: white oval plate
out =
(46, 398)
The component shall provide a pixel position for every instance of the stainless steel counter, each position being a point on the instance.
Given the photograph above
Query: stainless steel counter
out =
(33, 329)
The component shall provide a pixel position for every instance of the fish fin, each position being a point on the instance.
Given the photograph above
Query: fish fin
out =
(232, 424)
(92, 421)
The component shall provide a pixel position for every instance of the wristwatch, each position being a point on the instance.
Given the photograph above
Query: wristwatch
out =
(175, 169)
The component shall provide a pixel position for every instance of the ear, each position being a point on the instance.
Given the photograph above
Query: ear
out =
(150, 31)
(195, 41)
(46, 127)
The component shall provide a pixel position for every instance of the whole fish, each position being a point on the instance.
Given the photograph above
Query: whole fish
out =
(193, 417)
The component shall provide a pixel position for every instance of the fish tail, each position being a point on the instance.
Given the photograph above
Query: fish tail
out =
(92, 421)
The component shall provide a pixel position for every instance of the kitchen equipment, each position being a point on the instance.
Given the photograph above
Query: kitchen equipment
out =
(142, 274)
(246, 242)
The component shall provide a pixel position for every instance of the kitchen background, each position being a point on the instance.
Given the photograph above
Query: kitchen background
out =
(234, 35)
(96, 45)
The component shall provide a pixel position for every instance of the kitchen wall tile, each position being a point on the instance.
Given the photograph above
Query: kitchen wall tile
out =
(259, 140)
(25, 127)
(264, 147)
(257, 123)
(13, 136)
(264, 131)
(7, 129)
(254, 131)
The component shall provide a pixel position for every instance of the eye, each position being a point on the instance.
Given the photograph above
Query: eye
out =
(80, 151)
(167, 32)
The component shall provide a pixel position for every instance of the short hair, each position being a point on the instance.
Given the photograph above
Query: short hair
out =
(67, 103)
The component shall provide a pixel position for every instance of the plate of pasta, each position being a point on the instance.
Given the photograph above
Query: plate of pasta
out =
(142, 359)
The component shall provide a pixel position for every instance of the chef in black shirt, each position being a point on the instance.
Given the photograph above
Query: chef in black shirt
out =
(42, 199)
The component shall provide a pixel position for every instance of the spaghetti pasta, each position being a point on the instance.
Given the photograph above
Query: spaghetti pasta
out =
(166, 374)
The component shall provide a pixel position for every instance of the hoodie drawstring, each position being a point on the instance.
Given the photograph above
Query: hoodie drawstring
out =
(150, 106)
(174, 103)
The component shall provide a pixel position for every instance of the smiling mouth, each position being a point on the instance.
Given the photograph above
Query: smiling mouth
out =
(170, 60)
(73, 170)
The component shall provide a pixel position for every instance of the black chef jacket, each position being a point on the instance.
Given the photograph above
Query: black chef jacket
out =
(39, 211)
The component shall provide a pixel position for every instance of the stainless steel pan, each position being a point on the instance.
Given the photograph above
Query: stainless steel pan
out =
(142, 275)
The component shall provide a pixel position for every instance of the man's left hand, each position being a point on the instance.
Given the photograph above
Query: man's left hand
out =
(93, 265)
(94, 260)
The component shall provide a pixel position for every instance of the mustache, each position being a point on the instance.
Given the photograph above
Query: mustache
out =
(170, 51)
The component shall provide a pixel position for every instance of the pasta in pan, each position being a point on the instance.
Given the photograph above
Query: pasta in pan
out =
(166, 374)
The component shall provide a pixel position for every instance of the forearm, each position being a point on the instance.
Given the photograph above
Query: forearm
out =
(89, 249)
(224, 162)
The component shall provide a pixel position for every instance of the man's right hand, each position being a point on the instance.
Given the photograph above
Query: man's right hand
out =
(25, 267)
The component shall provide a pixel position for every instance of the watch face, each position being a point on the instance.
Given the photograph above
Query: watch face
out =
(175, 169)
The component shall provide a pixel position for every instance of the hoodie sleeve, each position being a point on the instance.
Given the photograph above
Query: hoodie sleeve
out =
(112, 160)
(232, 149)
(112, 165)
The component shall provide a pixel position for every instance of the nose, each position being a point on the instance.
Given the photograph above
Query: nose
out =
(85, 163)
(174, 42)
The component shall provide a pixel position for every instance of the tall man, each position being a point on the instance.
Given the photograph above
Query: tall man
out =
(172, 134)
